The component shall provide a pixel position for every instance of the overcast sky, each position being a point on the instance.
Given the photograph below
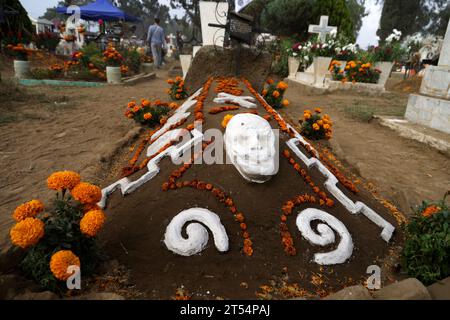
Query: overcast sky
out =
(367, 35)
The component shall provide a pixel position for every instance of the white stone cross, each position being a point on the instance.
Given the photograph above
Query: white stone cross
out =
(322, 29)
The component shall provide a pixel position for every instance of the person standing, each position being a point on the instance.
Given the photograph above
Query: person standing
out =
(180, 42)
(156, 39)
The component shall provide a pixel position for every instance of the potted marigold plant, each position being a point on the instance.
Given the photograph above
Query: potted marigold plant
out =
(21, 63)
(314, 126)
(426, 253)
(147, 63)
(274, 93)
(177, 91)
(148, 113)
(354, 71)
(113, 60)
(60, 238)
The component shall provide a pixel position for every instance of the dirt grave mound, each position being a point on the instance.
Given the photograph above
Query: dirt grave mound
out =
(261, 248)
(213, 61)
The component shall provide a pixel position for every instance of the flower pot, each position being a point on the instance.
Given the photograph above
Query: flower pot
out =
(386, 68)
(21, 69)
(147, 67)
(321, 70)
(113, 75)
(293, 64)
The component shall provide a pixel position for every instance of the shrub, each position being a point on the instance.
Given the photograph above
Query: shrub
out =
(274, 93)
(47, 40)
(177, 91)
(316, 127)
(148, 113)
(62, 236)
(426, 254)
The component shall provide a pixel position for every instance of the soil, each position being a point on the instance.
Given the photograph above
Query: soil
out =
(136, 225)
(211, 61)
(403, 171)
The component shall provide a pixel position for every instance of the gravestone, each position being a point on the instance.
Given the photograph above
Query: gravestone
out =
(432, 106)
(317, 72)
(323, 29)
(216, 13)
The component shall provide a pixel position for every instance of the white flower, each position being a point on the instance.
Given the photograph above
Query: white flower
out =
(324, 46)
(306, 58)
(338, 50)
(294, 54)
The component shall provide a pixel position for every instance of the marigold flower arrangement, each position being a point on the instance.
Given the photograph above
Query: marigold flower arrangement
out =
(177, 91)
(112, 57)
(316, 127)
(354, 71)
(273, 94)
(61, 235)
(19, 51)
(426, 252)
(147, 112)
(146, 59)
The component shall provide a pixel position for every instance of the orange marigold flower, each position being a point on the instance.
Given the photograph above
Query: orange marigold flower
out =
(316, 127)
(170, 81)
(282, 85)
(86, 193)
(248, 251)
(264, 92)
(61, 261)
(63, 180)
(145, 103)
(28, 209)
(27, 232)
(285, 102)
(269, 81)
(147, 116)
(239, 217)
(429, 211)
(317, 110)
(307, 116)
(92, 222)
(136, 109)
(276, 94)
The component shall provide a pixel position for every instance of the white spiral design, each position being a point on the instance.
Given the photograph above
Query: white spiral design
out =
(197, 235)
(325, 236)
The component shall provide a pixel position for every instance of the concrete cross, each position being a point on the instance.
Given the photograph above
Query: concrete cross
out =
(322, 29)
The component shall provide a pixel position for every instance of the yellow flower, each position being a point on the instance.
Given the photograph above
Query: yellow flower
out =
(28, 209)
(307, 116)
(61, 261)
(63, 180)
(316, 127)
(226, 119)
(92, 222)
(27, 232)
(320, 123)
(86, 193)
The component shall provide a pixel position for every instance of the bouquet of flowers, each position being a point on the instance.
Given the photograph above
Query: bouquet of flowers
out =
(148, 113)
(19, 52)
(112, 57)
(274, 93)
(314, 126)
(354, 71)
(177, 91)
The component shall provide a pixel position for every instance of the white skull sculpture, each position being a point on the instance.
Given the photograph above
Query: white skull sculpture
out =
(250, 145)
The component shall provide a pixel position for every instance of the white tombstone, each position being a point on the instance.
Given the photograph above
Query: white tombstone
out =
(323, 29)
(213, 12)
(432, 106)
(185, 60)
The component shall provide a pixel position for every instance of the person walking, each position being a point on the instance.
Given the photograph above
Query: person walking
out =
(180, 42)
(156, 38)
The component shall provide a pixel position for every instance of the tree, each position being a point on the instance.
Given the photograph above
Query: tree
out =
(357, 9)
(288, 17)
(15, 25)
(411, 16)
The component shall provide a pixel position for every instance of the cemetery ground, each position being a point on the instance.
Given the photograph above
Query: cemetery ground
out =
(45, 129)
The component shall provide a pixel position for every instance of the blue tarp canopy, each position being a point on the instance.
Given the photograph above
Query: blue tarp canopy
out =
(100, 9)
